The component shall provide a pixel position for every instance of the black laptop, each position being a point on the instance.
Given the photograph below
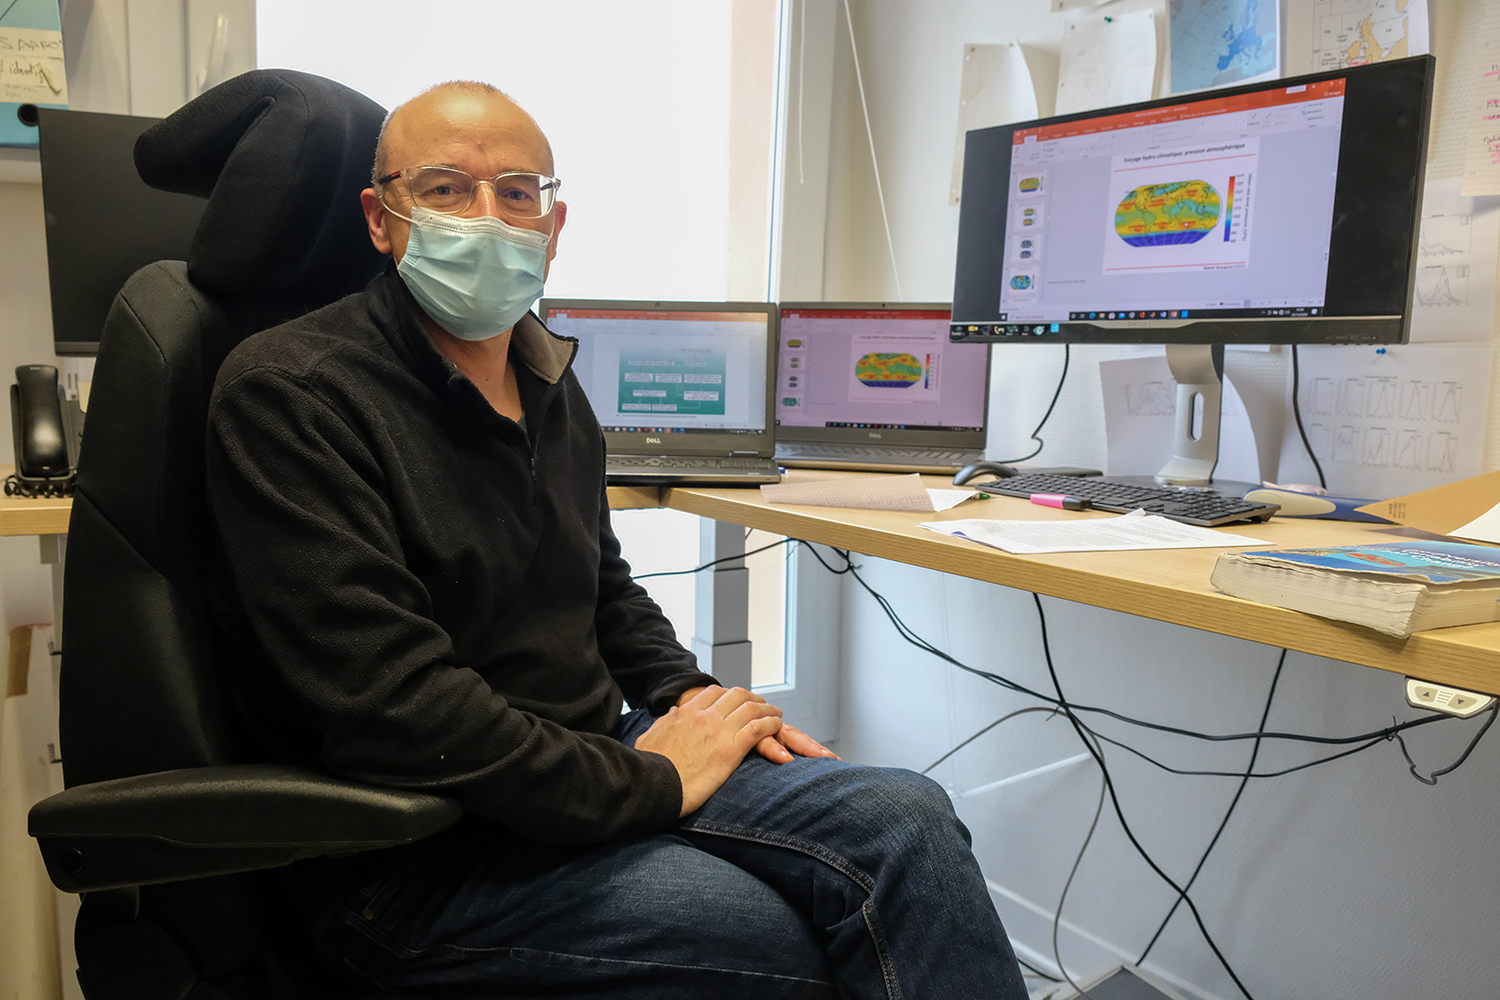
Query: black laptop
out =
(878, 386)
(682, 389)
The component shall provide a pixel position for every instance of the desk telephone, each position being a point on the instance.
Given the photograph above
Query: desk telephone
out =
(46, 430)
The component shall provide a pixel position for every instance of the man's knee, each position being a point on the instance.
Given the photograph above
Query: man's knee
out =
(899, 806)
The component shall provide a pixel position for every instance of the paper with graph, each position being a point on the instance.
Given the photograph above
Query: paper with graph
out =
(1456, 250)
(1388, 421)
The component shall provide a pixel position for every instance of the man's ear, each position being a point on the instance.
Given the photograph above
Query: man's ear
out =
(375, 218)
(560, 212)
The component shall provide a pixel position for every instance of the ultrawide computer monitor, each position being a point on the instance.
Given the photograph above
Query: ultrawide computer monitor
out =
(1283, 212)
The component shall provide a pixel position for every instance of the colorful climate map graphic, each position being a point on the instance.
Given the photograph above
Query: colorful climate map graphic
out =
(1021, 282)
(1162, 214)
(888, 371)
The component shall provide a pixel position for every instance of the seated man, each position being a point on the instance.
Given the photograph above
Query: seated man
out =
(417, 586)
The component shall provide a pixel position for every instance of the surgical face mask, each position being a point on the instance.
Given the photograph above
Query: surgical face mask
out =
(475, 277)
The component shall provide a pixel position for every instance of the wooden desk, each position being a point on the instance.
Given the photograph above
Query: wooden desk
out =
(1169, 585)
(23, 516)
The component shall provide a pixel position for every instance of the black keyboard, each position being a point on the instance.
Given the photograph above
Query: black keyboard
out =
(624, 462)
(666, 469)
(1190, 506)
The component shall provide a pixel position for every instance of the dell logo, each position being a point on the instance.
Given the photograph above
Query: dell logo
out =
(875, 435)
(651, 440)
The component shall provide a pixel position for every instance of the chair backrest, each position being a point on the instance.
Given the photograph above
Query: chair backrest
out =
(281, 157)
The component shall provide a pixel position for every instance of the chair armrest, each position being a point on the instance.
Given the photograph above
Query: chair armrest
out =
(204, 821)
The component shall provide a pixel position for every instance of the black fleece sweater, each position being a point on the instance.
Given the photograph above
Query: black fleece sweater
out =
(415, 591)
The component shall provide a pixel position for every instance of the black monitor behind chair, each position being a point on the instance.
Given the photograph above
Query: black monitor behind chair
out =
(166, 801)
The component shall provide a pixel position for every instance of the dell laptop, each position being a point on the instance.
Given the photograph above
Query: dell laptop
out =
(682, 389)
(878, 386)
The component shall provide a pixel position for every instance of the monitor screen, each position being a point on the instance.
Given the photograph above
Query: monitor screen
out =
(889, 368)
(103, 222)
(646, 370)
(1284, 212)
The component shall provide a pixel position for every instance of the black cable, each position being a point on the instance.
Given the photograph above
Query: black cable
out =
(1004, 718)
(1367, 739)
(1120, 813)
(1040, 974)
(1379, 734)
(1376, 741)
(1040, 444)
(1432, 780)
(710, 565)
(9, 9)
(1297, 413)
(1061, 703)
(1249, 768)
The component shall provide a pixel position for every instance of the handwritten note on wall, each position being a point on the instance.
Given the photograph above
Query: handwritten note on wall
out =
(31, 67)
(1482, 155)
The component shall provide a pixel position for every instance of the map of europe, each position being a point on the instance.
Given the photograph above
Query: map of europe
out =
(1162, 214)
(1220, 42)
(1355, 32)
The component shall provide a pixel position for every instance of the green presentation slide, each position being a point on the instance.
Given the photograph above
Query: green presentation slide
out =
(687, 380)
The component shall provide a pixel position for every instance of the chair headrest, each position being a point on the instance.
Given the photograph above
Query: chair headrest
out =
(281, 157)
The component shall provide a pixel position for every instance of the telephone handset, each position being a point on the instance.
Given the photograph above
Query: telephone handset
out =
(45, 440)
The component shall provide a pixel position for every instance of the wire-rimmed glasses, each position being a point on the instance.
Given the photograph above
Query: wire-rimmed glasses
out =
(519, 194)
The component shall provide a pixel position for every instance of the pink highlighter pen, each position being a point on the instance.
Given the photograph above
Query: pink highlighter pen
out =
(1060, 500)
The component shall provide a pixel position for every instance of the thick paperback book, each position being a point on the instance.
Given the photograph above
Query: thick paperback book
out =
(1396, 588)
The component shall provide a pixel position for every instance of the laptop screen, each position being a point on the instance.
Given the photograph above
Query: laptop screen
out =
(694, 369)
(887, 368)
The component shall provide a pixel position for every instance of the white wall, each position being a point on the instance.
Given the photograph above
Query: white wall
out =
(25, 339)
(1341, 881)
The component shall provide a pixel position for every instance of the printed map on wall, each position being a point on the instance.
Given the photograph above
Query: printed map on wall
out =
(1356, 32)
(1218, 43)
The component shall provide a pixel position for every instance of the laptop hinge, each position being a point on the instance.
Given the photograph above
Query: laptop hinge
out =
(750, 454)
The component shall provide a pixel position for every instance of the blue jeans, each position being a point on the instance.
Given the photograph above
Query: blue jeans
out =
(815, 879)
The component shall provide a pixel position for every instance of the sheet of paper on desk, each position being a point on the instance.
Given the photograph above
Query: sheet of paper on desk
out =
(1136, 530)
(874, 493)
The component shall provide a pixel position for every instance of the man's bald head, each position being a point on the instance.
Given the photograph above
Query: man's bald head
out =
(463, 124)
(446, 102)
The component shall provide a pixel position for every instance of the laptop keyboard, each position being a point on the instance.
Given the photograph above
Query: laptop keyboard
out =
(870, 453)
(1202, 507)
(665, 463)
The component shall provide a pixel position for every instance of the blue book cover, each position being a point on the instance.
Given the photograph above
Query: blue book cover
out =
(1433, 561)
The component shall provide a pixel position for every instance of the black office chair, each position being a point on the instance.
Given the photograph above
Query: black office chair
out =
(166, 809)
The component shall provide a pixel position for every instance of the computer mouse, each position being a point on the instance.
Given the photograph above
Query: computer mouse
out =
(976, 469)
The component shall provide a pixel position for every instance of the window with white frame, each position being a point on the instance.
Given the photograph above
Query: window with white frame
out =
(663, 116)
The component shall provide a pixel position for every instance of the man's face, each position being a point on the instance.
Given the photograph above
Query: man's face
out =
(483, 134)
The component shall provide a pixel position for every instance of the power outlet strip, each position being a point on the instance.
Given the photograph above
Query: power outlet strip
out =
(1441, 698)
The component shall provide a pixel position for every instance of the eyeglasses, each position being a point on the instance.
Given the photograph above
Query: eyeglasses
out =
(449, 190)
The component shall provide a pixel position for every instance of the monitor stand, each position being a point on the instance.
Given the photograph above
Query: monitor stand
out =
(1199, 371)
